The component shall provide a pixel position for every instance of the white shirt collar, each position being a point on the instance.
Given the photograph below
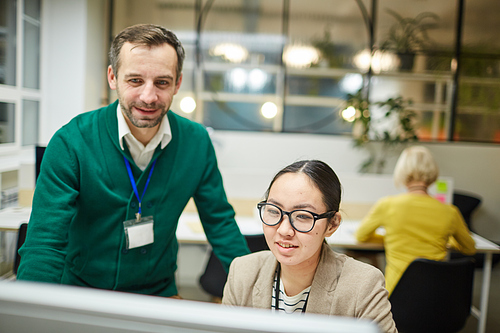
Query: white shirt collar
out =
(164, 132)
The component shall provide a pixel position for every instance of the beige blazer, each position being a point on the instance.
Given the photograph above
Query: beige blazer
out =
(342, 286)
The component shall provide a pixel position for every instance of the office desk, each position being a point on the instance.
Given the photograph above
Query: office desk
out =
(190, 231)
(11, 218)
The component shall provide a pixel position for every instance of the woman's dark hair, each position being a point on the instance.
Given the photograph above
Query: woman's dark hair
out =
(321, 175)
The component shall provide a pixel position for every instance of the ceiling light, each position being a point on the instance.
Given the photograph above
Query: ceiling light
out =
(349, 114)
(238, 78)
(257, 79)
(351, 83)
(188, 104)
(300, 56)
(381, 61)
(269, 110)
(230, 51)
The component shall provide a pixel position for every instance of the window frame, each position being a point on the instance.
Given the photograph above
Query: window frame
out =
(17, 93)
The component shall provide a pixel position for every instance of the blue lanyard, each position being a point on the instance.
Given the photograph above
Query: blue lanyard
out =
(134, 186)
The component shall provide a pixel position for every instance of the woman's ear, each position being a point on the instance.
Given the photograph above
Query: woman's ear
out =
(334, 224)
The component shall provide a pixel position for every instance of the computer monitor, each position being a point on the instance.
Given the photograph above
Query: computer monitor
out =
(39, 151)
(48, 308)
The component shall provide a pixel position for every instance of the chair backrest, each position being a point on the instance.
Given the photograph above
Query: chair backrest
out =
(214, 278)
(39, 151)
(466, 203)
(433, 296)
(256, 243)
(21, 237)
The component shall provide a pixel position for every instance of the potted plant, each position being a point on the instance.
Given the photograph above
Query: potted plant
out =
(378, 139)
(327, 48)
(409, 35)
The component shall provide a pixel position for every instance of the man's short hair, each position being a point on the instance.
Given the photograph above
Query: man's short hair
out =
(146, 35)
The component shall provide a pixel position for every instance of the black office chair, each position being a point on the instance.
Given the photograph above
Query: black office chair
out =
(467, 203)
(39, 151)
(21, 237)
(433, 296)
(214, 278)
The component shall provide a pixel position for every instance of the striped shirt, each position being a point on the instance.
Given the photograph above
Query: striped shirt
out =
(288, 304)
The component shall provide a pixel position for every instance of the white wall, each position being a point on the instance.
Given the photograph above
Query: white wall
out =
(70, 80)
(249, 160)
(96, 83)
(475, 168)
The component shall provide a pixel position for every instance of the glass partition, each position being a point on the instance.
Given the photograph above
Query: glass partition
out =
(8, 38)
(30, 122)
(478, 107)
(290, 65)
(7, 122)
(31, 54)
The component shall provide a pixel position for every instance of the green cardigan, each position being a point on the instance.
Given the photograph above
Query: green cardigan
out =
(83, 195)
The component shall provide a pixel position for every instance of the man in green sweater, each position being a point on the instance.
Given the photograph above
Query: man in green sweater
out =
(114, 181)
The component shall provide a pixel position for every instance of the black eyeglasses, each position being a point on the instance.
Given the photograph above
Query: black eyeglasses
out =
(301, 220)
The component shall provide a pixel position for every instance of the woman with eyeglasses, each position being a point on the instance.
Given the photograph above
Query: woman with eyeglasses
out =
(301, 273)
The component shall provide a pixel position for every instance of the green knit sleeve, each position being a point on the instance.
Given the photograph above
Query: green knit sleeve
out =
(216, 214)
(43, 253)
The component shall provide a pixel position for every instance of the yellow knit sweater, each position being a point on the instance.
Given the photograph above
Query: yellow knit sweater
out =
(416, 226)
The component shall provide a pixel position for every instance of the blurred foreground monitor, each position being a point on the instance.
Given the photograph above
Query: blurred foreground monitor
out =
(44, 308)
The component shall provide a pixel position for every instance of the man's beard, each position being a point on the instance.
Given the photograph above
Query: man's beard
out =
(143, 123)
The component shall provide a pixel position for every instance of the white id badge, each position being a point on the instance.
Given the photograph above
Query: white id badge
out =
(139, 233)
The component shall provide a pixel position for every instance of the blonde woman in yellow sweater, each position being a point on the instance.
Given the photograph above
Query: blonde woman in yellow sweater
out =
(416, 225)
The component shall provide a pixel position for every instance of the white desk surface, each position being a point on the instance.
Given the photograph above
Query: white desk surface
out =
(11, 218)
(189, 229)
